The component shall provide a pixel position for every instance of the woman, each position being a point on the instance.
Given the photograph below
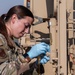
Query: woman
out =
(15, 24)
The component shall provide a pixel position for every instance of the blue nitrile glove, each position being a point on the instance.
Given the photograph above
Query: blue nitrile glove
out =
(45, 59)
(38, 49)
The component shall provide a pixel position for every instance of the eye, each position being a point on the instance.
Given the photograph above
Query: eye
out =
(27, 26)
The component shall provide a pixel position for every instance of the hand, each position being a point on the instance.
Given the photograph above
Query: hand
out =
(38, 49)
(45, 59)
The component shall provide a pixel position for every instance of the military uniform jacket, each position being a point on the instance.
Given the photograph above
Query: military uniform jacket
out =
(8, 59)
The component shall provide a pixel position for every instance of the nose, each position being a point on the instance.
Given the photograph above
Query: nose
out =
(27, 30)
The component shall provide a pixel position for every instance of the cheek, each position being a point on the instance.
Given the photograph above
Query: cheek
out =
(19, 27)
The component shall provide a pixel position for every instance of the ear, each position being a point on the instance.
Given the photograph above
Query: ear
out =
(14, 18)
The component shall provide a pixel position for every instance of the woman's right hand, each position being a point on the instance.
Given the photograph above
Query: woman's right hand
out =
(38, 49)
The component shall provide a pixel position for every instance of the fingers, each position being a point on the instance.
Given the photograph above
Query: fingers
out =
(45, 59)
(46, 46)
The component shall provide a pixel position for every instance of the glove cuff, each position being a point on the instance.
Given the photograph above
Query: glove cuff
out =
(27, 58)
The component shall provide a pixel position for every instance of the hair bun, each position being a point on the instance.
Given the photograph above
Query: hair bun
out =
(3, 16)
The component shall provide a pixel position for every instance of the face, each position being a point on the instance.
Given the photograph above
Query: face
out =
(20, 27)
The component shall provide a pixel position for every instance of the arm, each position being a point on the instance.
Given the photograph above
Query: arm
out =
(3, 49)
(34, 52)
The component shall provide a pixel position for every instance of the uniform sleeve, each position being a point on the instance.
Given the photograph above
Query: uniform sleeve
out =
(3, 49)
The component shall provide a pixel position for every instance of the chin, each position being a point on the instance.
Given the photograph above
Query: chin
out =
(18, 37)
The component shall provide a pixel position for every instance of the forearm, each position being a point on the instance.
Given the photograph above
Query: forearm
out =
(23, 68)
(27, 67)
(26, 64)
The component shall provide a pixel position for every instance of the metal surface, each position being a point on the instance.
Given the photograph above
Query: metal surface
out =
(58, 30)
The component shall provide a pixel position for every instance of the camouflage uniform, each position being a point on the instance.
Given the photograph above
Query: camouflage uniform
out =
(9, 58)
